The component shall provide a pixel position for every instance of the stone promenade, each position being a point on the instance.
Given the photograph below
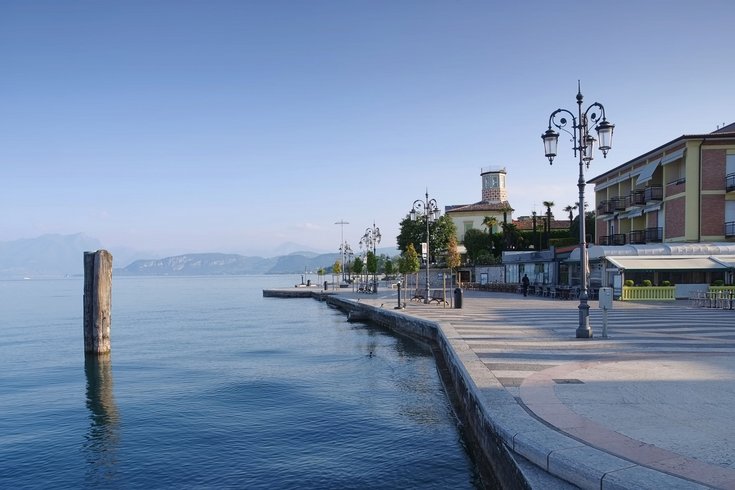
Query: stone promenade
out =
(651, 406)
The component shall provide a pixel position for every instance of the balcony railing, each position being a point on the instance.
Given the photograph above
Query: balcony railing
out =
(654, 235)
(634, 198)
(637, 236)
(605, 207)
(618, 239)
(653, 194)
(730, 229)
(637, 198)
(730, 182)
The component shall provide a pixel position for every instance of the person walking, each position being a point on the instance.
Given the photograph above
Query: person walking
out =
(524, 284)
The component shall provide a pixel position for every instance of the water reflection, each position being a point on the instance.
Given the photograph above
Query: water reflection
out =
(103, 437)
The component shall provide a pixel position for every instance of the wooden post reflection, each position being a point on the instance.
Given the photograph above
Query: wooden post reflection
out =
(103, 436)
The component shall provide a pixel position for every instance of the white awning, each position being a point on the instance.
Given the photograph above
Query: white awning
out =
(666, 263)
(647, 172)
(725, 260)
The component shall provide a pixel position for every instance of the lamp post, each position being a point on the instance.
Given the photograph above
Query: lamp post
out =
(342, 244)
(370, 239)
(429, 210)
(584, 146)
(345, 251)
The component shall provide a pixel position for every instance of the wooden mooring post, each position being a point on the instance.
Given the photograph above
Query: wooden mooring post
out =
(97, 301)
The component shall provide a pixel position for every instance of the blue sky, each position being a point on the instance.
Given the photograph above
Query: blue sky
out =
(236, 126)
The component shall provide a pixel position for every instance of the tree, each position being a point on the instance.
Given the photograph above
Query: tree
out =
(372, 263)
(388, 267)
(547, 226)
(442, 230)
(357, 266)
(414, 233)
(336, 270)
(512, 237)
(453, 257)
(590, 222)
(476, 242)
(409, 262)
(569, 209)
(490, 222)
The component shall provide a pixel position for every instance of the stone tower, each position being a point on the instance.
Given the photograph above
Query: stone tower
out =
(493, 184)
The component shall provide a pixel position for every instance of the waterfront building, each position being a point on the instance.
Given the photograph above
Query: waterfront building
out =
(668, 214)
(494, 204)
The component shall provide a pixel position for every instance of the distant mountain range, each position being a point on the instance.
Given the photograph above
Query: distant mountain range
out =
(61, 255)
(218, 264)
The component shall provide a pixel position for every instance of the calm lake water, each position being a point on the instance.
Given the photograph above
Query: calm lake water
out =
(210, 385)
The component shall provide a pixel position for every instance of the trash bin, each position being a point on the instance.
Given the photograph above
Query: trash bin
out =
(458, 298)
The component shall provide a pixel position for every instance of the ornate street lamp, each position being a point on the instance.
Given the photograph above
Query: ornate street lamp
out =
(429, 210)
(370, 239)
(584, 146)
(345, 251)
(342, 244)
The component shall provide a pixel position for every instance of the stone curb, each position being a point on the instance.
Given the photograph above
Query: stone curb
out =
(496, 417)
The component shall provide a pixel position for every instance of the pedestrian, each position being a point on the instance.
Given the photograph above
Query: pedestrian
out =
(524, 284)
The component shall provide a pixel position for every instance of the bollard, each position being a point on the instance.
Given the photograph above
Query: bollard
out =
(399, 297)
(97, 301)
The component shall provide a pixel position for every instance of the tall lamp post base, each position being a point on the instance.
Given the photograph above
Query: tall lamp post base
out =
(584, 331)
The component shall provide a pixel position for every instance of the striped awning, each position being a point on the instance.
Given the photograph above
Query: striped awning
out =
(666, 263)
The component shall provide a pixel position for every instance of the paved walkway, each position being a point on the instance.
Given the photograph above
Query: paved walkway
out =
(659, 392)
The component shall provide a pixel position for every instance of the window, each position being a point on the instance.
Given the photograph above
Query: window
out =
(676, 172)
(729, 211)
(467, 226)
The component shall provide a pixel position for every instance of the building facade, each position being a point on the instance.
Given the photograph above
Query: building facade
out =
(494, 204)
(668, 215)
(682, 191)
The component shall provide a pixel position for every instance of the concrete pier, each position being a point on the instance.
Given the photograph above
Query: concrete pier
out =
(649, 407)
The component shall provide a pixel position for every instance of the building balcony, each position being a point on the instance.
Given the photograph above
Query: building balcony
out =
(618, 203)
(730, 182)
(618, 239)
(637, 237)
(730, 229)
(605, 207)
(654, 235)
(651, 194)
(637, 198)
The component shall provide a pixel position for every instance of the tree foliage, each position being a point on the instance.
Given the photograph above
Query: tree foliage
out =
(589, 226)
(512, 238)
(337, 267)
(409, 262)
(414, 232)
(453, 258)
(490, 222)
(388, 267)
(357, 266)
(372, 263)
(477, 242)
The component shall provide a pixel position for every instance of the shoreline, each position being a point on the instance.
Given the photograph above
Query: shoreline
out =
(508, 418)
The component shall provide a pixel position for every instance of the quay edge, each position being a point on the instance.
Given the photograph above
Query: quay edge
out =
(523, 451)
